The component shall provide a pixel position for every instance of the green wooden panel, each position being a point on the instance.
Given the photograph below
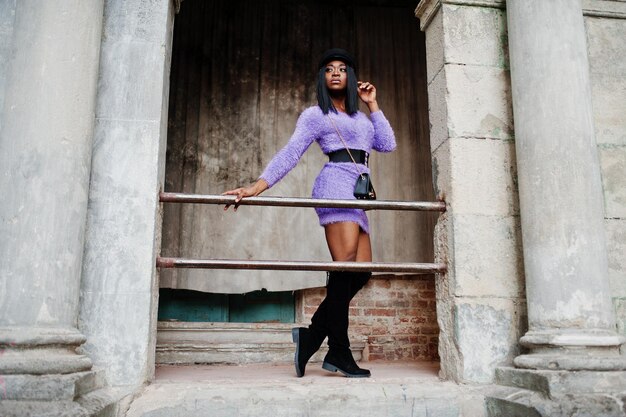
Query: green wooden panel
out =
(187, 305)
(254, 307)
(262, 306)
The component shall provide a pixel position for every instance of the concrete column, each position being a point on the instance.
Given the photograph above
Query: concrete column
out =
(45, 157)
(480, 300)
(570, 314)
(119, 289)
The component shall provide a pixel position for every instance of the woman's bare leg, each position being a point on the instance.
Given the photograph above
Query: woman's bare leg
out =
(347, 242)
(341, 239)
(364, 251)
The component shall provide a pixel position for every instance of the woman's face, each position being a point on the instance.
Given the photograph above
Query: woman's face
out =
(336, 76)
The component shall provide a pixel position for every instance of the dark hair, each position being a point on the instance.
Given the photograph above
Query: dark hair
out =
(323, 98)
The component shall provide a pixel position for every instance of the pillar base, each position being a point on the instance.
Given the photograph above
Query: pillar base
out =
(41, 351)
(76, 394)
(568, 361)
(42, 375)
(572, 338)
(572, 350)
(56, 388)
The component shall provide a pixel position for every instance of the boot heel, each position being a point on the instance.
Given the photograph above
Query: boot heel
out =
(329, 367)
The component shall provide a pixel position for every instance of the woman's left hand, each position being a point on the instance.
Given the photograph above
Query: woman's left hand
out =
(367, 93)
(251, 191)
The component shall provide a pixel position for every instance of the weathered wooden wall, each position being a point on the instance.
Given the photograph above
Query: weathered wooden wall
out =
(242, 71)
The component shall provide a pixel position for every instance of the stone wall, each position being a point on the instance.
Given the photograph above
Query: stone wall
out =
(480, 301)
(606, 41)
(472, 141)
(396, 315)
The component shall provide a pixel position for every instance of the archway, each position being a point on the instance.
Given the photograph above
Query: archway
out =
(241, 73)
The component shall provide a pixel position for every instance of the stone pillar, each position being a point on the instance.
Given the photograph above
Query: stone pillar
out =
(45, 158)
(480, 300)
(119, 291)
(607, 67)
(570, 314)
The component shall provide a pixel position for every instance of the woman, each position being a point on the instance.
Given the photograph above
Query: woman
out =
(334, 121)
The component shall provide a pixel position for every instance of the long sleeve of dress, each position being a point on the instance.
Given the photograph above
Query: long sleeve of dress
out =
(287, 158)
(384, 139)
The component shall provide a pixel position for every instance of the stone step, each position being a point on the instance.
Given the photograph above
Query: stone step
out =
(227, 353)
(177, 331)
(395, 389)
(551, 383)
(232, 343)
(106, 402)
(538, 393)
(519, 402)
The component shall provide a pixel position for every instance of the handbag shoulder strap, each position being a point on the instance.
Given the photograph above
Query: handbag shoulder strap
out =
(344, 144)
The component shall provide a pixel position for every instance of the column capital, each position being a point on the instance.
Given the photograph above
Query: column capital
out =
(427, 9)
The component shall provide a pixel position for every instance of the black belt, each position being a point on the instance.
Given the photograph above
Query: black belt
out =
(360, 157)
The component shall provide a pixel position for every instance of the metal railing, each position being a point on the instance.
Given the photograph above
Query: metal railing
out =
(405, 267)
(303, 202)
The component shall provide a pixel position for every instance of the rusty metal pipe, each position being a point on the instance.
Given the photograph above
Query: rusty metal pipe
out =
(412, 268)
(304, 202)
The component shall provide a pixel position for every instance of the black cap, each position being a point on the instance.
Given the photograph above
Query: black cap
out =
(339, 55)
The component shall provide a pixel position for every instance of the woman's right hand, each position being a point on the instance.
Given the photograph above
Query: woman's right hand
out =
(250, 191)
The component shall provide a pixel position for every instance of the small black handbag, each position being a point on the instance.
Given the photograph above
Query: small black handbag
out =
(363, 189)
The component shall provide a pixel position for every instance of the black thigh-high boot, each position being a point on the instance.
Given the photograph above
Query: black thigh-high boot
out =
(308, 340)
(359, 279)
(340, 292)
(318, 321)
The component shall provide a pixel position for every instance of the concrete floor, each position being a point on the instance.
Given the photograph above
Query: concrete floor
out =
(395, 389)
(285, 373)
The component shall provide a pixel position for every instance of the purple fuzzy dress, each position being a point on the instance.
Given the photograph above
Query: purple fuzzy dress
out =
(336, 179)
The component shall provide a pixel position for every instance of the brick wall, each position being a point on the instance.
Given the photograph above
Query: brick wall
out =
(396, 315)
